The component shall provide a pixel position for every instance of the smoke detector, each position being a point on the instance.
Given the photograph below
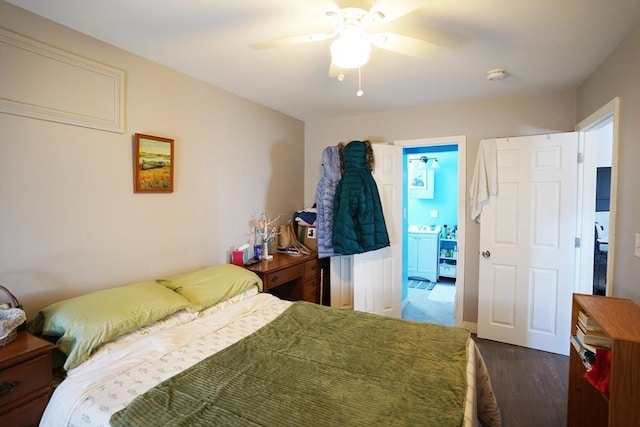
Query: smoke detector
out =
(497, 74)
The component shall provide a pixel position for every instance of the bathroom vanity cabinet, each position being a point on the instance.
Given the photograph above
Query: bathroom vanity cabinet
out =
(422, 255)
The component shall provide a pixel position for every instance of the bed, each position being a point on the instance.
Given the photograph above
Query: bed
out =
(209, 348)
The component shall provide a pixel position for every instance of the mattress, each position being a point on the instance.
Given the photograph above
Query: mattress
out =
(134, 363)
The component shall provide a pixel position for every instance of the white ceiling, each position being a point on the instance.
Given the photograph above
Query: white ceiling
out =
(545, 45)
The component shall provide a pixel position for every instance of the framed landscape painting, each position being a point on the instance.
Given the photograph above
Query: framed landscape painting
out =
(153, 164)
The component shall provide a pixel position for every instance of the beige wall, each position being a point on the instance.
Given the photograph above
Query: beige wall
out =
(69, 220)
(553, 112)
(619, 76)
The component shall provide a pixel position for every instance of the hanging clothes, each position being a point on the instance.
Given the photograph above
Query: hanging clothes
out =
(358, 220)
(325, 193)
(484, 183)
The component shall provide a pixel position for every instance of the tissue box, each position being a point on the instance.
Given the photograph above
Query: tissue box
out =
(239, 257)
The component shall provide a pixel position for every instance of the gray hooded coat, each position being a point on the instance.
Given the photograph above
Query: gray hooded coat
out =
(325, 193)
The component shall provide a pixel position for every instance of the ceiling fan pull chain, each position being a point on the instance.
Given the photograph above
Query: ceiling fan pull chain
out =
(359, 92)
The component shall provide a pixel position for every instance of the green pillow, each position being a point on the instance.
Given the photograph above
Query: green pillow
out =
(208, 286)
(85, 322)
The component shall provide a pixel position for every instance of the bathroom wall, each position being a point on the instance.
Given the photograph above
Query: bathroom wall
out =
(445, 200)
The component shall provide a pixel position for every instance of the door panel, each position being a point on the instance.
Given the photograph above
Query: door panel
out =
(342, 282)
(373, 279)
(503, 295)
(527, 235)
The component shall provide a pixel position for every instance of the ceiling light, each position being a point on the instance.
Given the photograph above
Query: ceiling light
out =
(497, 74)
(350, 50)
(423, 162)
(434, 163)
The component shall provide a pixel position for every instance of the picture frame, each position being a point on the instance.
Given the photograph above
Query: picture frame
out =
(421, 184)
(153, 164)
(418, 180)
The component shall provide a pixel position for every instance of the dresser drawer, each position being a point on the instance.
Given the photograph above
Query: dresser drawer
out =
(283, 276)
(311, 290)
(28, 414)
(24, 378)
(311, 269)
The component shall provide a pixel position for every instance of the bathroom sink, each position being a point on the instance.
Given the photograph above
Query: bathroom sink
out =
(423, 229)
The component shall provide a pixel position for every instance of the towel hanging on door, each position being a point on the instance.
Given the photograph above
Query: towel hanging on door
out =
(484, 183)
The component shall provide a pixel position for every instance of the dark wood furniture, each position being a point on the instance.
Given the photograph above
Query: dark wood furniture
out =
(25, 380)
(291, 277)
(620, 320)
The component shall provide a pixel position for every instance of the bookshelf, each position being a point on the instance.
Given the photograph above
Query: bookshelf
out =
(619, 319)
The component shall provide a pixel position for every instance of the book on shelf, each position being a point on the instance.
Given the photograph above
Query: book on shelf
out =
(588, 323)
(586, 355)
(591, 349)
(591, 331)
(591, 338)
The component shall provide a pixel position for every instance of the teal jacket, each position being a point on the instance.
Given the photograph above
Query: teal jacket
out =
(358, 220)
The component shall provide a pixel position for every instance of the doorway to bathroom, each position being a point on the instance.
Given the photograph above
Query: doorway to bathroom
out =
(432, 288)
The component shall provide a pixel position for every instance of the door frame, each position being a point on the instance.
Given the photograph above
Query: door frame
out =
(461, 142)
(609, 111)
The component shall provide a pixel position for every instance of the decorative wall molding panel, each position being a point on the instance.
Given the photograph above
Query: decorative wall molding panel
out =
(43, 82)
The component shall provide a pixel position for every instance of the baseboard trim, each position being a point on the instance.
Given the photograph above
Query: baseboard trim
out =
(470, 326)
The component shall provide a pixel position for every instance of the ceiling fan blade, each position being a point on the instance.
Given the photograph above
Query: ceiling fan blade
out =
(287, 41)
(391, 10)
(405, 45)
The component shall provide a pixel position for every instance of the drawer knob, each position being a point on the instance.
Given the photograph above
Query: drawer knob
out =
(8, 387)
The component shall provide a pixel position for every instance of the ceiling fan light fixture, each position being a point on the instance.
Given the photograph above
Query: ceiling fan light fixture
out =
(350, 51)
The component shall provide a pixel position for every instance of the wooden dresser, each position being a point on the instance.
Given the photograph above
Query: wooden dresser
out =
(291, 277)
(25, 380)
(620, 320)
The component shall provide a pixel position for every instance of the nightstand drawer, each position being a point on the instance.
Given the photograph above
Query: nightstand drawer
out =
(27, 377)
(283, 276)
(311, 269)
(310, 290)
(26, 415)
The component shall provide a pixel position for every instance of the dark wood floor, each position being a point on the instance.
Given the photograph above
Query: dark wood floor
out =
(530, 385)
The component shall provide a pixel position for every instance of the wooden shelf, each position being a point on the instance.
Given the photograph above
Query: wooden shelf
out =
(620, 320)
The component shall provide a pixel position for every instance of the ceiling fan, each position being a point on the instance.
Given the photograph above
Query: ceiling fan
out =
(352, 44)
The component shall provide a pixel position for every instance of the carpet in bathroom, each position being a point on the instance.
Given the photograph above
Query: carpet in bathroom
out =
(443, 293)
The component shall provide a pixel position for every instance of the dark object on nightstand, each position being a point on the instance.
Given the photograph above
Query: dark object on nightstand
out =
(251, 262)
(25, 380)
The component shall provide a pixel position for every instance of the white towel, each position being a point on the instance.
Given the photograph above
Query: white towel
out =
(484, 183)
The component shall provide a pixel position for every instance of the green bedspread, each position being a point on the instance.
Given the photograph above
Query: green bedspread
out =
(316, 366)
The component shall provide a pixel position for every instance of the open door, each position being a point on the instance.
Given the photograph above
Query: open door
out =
(374, 279)
(527, 239)
(377, 275)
